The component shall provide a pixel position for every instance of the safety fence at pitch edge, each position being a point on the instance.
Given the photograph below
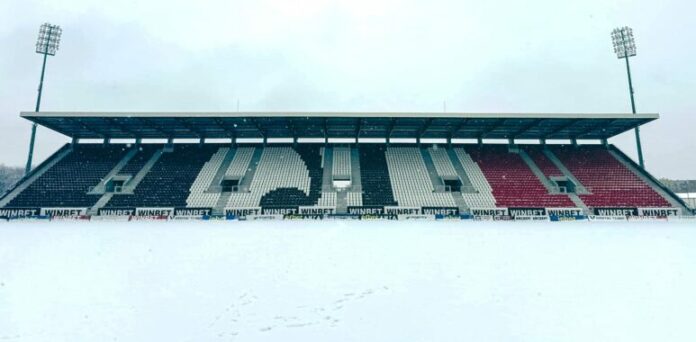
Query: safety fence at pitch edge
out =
(353, 213)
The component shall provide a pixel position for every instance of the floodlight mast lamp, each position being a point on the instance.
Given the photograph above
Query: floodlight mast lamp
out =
(625, 47)
(47, 44)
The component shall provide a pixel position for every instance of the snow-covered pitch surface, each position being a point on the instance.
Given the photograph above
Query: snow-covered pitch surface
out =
(347, 281)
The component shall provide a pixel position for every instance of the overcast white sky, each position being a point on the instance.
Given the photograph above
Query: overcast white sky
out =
(357, 55)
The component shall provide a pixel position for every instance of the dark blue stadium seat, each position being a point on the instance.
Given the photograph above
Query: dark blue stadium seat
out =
(66, 184)
(169, 181)
(376, 186)
(136, 163)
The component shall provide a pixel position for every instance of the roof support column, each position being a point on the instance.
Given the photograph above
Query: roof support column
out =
(392, 122)
(358, 128)
(480, 141)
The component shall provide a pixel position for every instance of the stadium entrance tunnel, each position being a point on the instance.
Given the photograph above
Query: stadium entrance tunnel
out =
(286, 197)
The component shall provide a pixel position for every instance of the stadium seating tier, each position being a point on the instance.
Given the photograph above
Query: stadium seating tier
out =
(513, 182)
(610, 183)
(67, 183)
(292, 176)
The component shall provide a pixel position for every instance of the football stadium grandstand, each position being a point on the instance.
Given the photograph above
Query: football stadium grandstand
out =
(342, 165)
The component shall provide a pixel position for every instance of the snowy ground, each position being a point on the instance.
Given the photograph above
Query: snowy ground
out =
(347, 281)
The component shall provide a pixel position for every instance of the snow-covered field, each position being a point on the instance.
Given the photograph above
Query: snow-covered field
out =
(347, 281)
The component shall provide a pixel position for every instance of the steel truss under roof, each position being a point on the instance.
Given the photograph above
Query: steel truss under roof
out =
(113, 125)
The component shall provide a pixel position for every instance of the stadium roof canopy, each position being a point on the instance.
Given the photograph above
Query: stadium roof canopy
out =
(87, 125)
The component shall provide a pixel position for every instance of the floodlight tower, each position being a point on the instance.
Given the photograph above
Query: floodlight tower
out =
(625, 47)
(47, 44)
